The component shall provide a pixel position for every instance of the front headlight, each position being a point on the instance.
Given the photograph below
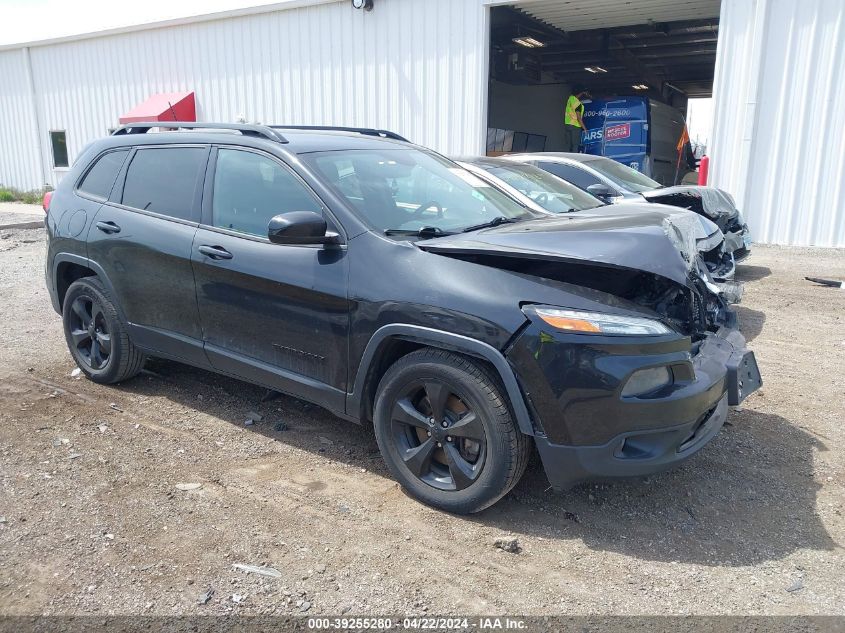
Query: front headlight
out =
(598, 323)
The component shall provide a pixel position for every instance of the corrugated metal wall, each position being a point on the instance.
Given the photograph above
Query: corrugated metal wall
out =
(414, 66)
(779, 122)
(418, 67)
(19, 162)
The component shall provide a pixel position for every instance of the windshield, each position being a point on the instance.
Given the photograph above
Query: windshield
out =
(547, 190)
(624, 176)
(408, 190)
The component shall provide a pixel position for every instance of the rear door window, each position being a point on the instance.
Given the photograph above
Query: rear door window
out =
(249, 189)
(575, 175)
(99, 180)
(163, 180)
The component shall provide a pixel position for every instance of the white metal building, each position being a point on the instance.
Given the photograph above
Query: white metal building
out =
(424, 69)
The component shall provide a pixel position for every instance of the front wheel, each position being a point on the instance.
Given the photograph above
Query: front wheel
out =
(96, 337)
(446, 432)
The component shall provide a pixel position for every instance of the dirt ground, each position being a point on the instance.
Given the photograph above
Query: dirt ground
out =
(92, 519)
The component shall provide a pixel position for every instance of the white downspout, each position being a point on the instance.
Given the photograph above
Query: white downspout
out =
(36, 113)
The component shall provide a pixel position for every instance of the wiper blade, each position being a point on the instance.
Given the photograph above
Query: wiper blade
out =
(486, 225)
(426, 231)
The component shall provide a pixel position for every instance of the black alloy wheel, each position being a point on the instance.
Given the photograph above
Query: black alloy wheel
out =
(89, 332)
(445, 431)
(96, 335)
(439, 437)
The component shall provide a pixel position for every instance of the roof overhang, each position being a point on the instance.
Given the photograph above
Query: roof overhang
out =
(578, 15)
(656, 48)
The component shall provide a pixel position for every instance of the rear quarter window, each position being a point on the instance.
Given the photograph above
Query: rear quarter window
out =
(99, 180)
(163, 180)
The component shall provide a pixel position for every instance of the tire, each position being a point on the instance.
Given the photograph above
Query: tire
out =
(95, 335)
(464, 472)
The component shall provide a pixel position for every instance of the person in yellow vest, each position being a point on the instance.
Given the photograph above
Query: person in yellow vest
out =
(573, 123)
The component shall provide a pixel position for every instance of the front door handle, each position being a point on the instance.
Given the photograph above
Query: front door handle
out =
(215, 252)
(108, 227)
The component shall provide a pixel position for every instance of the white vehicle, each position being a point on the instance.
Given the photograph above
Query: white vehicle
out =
(614, 182)
(543, 191)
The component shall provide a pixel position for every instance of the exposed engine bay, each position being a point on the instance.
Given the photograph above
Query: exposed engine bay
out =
(692, 310)
(650, 260)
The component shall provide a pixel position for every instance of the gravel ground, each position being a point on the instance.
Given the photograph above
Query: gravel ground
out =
(94, 517)
(14, 214)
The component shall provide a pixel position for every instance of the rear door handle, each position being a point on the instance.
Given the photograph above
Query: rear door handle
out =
(215, 252)
(108, 227)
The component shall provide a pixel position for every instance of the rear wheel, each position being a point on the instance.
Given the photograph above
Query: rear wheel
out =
(446, 432)
(95, 335)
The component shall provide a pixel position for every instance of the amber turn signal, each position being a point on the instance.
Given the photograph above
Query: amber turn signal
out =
(573, 325)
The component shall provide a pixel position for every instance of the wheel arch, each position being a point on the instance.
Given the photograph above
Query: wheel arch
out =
(391, 342)
(68, 267)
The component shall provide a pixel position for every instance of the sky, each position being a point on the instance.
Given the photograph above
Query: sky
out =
(700, 120)
(29, 20)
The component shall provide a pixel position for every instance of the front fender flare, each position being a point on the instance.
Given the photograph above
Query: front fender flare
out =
(444, 340)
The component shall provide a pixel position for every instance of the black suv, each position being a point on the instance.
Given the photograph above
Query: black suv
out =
(389, 285)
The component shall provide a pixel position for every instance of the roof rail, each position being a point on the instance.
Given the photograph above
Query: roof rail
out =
(358, 130)
(261, 131)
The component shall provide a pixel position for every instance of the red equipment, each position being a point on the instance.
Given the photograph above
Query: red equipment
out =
(703, 169)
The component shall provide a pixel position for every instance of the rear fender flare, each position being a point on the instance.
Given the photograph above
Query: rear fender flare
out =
(87, 263)
(444, 340)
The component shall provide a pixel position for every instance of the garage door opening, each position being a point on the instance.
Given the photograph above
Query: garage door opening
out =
(642, 63)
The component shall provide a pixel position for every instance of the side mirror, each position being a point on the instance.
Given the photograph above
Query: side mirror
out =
(300, 227)
(602, 192)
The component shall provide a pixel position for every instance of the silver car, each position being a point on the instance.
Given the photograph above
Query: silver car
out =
(543, 191)
(614, 182)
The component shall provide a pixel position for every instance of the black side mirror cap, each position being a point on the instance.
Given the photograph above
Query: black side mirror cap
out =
(603, 192)
(300, 227)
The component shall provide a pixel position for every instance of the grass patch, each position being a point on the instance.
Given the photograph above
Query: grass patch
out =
(10, 194)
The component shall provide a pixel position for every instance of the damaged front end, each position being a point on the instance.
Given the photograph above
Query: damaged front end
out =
(713, 204)
(643, 261)
(694, 234)
(710, 202)
(692, 309)
(607, 402)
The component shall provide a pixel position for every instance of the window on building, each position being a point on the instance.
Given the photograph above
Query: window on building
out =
(100, 178)
(58, 140)
(249, 189)
(163, 180)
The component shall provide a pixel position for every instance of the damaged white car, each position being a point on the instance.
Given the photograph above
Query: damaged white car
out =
(691, 233)
(614, 182)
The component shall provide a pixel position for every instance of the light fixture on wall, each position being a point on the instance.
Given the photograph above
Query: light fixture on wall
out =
(367, 5)
(528, 42)
(639, 87)
(595, 69)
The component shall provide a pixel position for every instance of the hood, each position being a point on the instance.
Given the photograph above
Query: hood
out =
(650, 242)
(701, 227)
(710, 201)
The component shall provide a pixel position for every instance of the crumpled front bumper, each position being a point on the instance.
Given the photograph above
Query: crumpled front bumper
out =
(639, 435)
(738, 243)
(721, 268)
